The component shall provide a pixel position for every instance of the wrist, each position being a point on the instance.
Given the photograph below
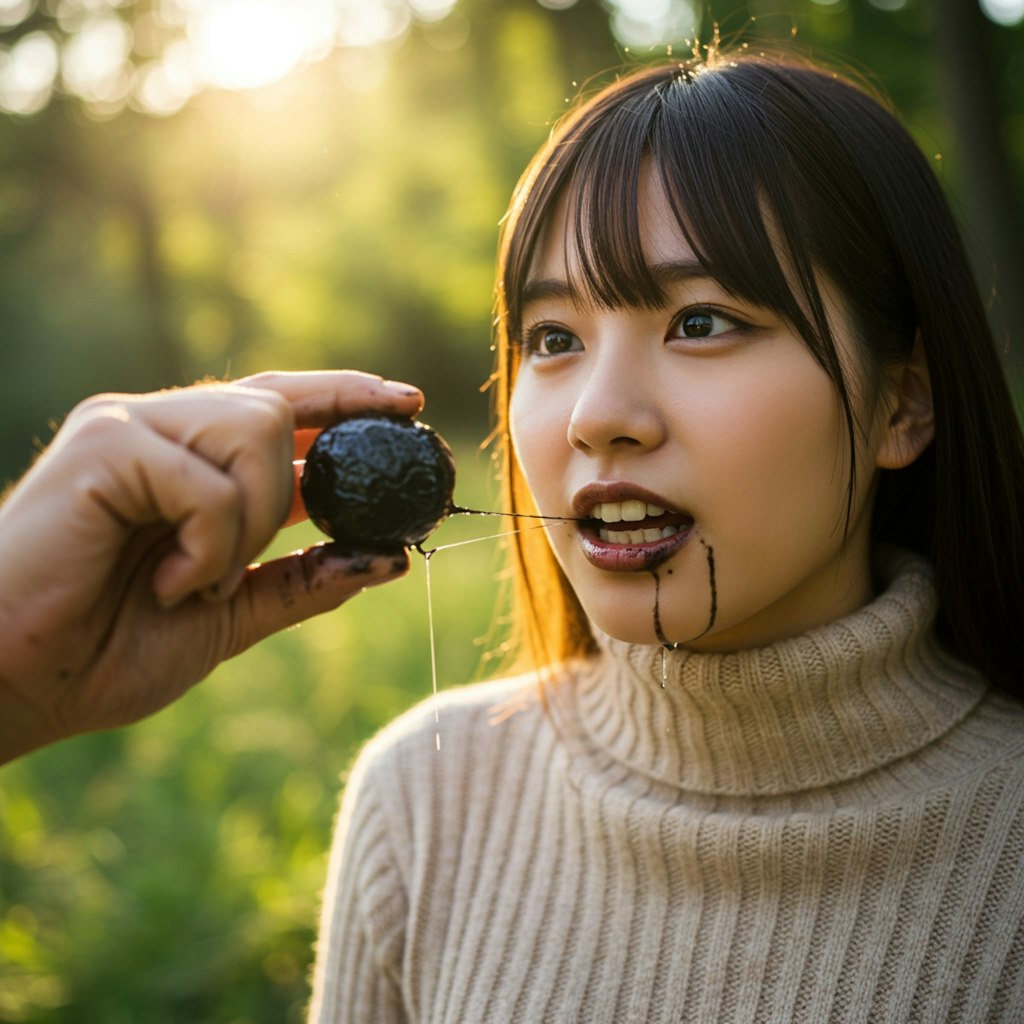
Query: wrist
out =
(22, 728)
(27, 720)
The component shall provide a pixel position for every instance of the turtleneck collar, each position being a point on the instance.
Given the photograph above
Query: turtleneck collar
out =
(813, 710)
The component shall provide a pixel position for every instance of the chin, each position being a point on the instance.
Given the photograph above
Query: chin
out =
(638, 626)
(642, 610)
(630, 634)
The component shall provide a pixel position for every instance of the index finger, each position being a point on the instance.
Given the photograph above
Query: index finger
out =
(321, 397)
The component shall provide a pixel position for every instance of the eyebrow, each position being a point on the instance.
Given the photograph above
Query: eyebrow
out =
(665, 273)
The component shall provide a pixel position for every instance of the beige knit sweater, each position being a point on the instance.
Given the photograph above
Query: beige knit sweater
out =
(828, 829)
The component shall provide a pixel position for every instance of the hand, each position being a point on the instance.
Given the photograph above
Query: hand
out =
(125, 551)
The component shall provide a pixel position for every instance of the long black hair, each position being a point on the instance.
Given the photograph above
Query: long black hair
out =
(781, 174)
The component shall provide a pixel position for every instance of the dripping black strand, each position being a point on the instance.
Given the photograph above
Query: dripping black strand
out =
(712, 584)
(659, 631)
(455, 510)
(458, 510)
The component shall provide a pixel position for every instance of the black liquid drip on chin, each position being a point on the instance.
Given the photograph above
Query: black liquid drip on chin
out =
(659, 631)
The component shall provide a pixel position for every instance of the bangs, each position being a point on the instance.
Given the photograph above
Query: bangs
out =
(729, 181)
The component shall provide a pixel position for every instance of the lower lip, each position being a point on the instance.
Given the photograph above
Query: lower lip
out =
(632, 557)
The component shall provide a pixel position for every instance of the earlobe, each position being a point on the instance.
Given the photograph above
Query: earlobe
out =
(911, 422)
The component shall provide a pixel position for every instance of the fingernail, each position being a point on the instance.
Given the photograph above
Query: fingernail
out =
(376, 568)
(400, 388)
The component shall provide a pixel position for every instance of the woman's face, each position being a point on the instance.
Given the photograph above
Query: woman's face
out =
(707, 440)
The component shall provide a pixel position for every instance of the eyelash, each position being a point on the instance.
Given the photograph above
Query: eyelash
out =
(707, 311)
(532, 335)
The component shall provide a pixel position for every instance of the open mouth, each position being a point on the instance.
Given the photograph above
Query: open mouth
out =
(634, 522)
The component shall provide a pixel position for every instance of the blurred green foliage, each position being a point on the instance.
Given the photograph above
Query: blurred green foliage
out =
(170, 872)
(345, 215)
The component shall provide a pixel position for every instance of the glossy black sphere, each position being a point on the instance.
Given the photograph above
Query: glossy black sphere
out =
(375, 483)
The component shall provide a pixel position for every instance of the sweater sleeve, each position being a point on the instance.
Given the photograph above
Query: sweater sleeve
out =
(357, 977)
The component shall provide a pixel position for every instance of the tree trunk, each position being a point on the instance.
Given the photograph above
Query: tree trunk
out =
(160, 348)
(995, 231)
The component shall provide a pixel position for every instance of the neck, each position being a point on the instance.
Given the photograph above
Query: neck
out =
(828, 706)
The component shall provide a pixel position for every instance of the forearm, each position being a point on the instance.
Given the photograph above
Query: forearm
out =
(21, 730)
(25, 724)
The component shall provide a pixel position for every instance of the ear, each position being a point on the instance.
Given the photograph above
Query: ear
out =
(911, 419)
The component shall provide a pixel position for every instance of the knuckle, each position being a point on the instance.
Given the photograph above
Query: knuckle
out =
(265, 378)
(270, 386)
(101, 425)
(96, 404)
(272, 417)
(99, 410)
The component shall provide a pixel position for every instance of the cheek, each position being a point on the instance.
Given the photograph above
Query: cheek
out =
(519, 430)
(777, 455)
(537, 431)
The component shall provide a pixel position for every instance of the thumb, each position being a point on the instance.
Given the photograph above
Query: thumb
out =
(286, 591)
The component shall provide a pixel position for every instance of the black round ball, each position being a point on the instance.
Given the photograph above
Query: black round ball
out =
(375, 483)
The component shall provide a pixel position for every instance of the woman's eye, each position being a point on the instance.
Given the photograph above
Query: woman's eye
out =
(701, 323)
(553, 341)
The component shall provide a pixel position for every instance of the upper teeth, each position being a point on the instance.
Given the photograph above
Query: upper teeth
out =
(631, 511)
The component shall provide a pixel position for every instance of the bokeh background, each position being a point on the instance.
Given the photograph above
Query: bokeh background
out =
(207, 188)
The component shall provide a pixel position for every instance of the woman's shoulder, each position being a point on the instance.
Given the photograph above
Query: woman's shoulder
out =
(996, 726)
(457, 728)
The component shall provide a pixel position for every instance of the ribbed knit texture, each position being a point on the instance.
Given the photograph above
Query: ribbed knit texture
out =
(828, 829)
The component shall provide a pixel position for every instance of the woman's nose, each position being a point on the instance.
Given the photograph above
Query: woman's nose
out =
(616, 408)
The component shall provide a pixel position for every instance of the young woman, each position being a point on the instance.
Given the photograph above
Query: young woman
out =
(773, 771)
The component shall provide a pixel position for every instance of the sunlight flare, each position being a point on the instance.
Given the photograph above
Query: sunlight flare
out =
(244, 44)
